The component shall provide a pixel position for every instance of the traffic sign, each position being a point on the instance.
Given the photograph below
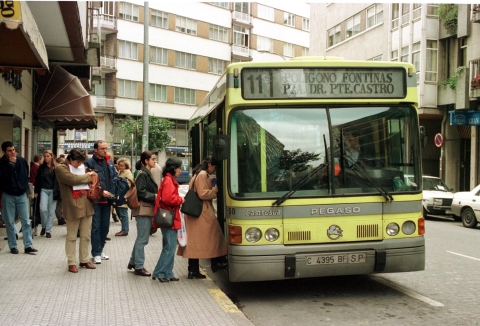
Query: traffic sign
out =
(439, 140)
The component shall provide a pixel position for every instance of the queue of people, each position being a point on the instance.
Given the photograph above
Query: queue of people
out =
(90, 222)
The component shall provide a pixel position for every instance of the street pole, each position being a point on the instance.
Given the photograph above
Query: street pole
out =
(145, 80)
(133, 163)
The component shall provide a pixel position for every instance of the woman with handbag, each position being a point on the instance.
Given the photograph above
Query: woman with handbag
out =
(205, 238)
(77, 208)
(169, 199)
(44, 187)
(147, 190)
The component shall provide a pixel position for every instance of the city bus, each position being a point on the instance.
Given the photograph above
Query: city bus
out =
(314, 153)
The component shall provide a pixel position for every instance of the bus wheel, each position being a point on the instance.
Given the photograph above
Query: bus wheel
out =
(468, 218)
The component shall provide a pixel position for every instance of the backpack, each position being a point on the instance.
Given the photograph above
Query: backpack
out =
(120, 188)
(95, 191)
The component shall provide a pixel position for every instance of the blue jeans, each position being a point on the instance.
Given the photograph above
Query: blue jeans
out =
(19, 204)
(47, 209)
(100, 226)
(144, 224)
(164, 268)
(122, 213)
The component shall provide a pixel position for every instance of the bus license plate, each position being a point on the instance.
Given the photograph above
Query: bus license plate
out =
(357, 258)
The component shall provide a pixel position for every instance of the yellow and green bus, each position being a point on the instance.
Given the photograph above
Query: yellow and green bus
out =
(314, 155)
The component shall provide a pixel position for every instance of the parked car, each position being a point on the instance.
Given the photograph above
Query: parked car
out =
(437, 197)
(185, 176)
(466, 205)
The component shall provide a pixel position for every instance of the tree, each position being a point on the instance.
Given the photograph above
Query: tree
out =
(158, 138)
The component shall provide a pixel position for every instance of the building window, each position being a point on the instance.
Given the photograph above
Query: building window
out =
(377, 58)
(158, 55)
(264, 44)
(405, 13)
(394, 55)
(265, 12)
(431, 62)
(289, 19)
(218, 33)
(158, 93)
(305, 52)
(417, 11)
(184, 96)
(216, 66)
(432, 10)
(240, 36)
(185, 60)
(127, 88)
(288, 49)
(375, 15)
(220, 4)
(416, 58)
(334, 36)
(305, 24)
(159, 19)
(186, 25)
(353, 26)
(127, 50)
(128, 11)
(395, 14)
(404, 57)
(243, 7)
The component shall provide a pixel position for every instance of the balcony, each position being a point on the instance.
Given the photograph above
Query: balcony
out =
(241, 18)
(240, 51)
(103, 104)
(475, 18)
(108, 63)
(106, 22)
(475, 78)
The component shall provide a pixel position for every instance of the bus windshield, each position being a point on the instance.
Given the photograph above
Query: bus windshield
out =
(323, 151)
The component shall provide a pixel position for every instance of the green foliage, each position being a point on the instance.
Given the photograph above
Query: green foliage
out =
(158, 137)
(452, 81)
(448, 13)
(296, 160)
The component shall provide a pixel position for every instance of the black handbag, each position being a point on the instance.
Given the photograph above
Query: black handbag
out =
(163, 218)
(192, 205)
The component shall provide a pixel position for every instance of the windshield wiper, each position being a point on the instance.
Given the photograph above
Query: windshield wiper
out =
(300, 184)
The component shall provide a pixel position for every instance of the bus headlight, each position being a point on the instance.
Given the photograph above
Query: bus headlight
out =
(408, 227)
(272, 234)
(392, 229)
(253, 234)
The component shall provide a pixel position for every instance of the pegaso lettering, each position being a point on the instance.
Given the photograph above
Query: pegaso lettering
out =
(262, 213)
(335, 210)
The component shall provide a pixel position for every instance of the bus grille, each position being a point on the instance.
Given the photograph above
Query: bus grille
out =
(367, 231)
(299, 235)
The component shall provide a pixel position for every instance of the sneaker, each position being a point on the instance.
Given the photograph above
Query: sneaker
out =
(104, 257)
(97, 259)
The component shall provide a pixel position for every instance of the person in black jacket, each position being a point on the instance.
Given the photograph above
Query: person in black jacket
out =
(45, 184)
(101, 162)
(14, 186)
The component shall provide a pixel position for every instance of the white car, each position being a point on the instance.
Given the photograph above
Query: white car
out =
(466, 204)
(437, 197)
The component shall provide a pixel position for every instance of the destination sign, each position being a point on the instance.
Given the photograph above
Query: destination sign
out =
(324, 83)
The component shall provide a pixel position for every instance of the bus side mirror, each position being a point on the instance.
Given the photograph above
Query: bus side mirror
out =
(221, 144)
(423, 136)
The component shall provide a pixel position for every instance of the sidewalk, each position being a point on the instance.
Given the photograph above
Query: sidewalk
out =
(38, 290)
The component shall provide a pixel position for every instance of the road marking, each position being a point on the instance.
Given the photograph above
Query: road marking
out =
(407, 291)
(224, 301)
(463, 255)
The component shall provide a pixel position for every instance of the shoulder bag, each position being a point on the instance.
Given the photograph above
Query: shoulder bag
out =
(163, 218)
(192, 205)
(131, 196)
(95, 191)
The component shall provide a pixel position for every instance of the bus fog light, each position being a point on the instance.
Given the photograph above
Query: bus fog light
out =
(392, 229)
(408, 227)
(253, 235)
(272, 234)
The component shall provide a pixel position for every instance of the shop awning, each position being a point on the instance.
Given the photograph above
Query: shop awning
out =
(61, 98)
(20, 35)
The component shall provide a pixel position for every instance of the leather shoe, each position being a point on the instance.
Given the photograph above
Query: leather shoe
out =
(61, 221)
(219, 266)
(48, 235)
(163, 280)
(121, 234)
(195, 275)
(72, 269)
(43, 231)
(14, 251)
(174, 279)
(142, 272)
(130, 266)
(87, 265)
(31, 251)
(107, 239)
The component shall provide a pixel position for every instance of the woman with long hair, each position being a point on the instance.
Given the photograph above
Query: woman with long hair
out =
(45, 184)
(205, 238)
(147, 190)
(124, 171)
(168, 198)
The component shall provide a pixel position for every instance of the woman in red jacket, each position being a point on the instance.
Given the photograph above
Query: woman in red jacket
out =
(168, 198)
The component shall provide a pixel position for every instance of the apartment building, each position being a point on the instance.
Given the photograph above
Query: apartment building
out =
(447, 64)
(189, 46)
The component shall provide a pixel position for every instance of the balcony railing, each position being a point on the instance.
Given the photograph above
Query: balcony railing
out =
(101, 101)
(240, 51)
(106, 21)
(475, 78)
(108, 62)
(241, 17)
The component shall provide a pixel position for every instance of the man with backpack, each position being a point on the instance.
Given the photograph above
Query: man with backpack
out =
(108, 175)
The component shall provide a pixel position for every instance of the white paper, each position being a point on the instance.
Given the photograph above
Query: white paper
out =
(79, 171)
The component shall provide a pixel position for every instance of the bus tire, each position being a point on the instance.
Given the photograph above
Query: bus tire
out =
(469, 219)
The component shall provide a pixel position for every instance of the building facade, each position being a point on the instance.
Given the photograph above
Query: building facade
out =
(447, 64)
(188, 47)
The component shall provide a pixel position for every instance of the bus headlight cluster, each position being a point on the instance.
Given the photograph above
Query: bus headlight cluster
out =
(408, 228)
(392, 229)
(253, 235)
(272, 234)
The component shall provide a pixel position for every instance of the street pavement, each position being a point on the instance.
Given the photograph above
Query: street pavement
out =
(38, 289)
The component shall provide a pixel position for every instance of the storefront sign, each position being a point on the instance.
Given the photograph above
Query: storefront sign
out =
(464, 118)
(44, 145)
